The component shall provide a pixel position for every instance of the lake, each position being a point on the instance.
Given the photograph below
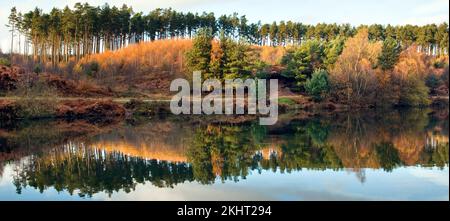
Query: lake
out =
(365, 155)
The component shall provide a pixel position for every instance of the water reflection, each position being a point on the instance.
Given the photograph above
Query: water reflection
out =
(92, 170)
(87, 158)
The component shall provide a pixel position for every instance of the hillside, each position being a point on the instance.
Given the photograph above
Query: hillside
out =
(149, 67)
(145, 67)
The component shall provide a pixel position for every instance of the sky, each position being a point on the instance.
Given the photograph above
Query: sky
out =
(355, 12)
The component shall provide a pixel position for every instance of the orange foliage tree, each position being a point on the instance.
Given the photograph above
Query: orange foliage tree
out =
(272, 55)
(409, 78)
(353, 77)
(412, 63)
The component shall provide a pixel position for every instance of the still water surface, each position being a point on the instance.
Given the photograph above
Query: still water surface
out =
(376, 155)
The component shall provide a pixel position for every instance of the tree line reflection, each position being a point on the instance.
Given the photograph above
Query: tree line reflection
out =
(225, 152)
(77, 168)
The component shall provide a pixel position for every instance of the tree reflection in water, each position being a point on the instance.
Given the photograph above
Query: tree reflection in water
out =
(113, 161)
(92, 170)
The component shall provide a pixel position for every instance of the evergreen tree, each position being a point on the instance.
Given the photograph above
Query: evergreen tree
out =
(318, 86)
(333, 49)
(390, 53)
(441, 38)
(199, 58)
(238, 62)
(82, 30)
(302, 61)
(12, 25)
(273, 32)
(376, 32)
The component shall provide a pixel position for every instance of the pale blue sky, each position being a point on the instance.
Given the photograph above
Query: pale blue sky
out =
(307, 11)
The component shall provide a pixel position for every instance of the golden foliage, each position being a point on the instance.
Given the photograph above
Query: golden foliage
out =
(353, 76)
(151, 150)
(146, 65)
(409, 78)
(272, 55)
(148, 57)
(412, 63)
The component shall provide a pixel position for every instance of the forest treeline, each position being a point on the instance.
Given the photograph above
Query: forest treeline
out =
(61, 34)
(355, 71)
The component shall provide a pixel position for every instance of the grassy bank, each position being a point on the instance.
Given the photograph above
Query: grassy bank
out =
(19, 108)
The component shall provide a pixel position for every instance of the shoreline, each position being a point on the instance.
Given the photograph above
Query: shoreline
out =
(13, 108)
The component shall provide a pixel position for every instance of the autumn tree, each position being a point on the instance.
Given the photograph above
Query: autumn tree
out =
(385, 93)
(75, 32)
(353, 76)
(409, 78)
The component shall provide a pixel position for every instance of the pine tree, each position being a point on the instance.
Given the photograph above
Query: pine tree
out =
(273, 32)
(390, 53)
(79, 31)
(199, 58)
(12, 24)
(238, 64)
(318, 86)
(302, 61)
(441, 38)
(376, 32)
(332, 51)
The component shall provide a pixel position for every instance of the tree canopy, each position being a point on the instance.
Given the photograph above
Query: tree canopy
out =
(84, 29)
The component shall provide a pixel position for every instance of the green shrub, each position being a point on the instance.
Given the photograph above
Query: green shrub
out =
(414, 93)
(37, 100)
(37, 69)
(5, 62)
(92, 68)
(95, 67)
(318, 86)
(261, 70)
(31, 108)
(439, 64)
(432, 81)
